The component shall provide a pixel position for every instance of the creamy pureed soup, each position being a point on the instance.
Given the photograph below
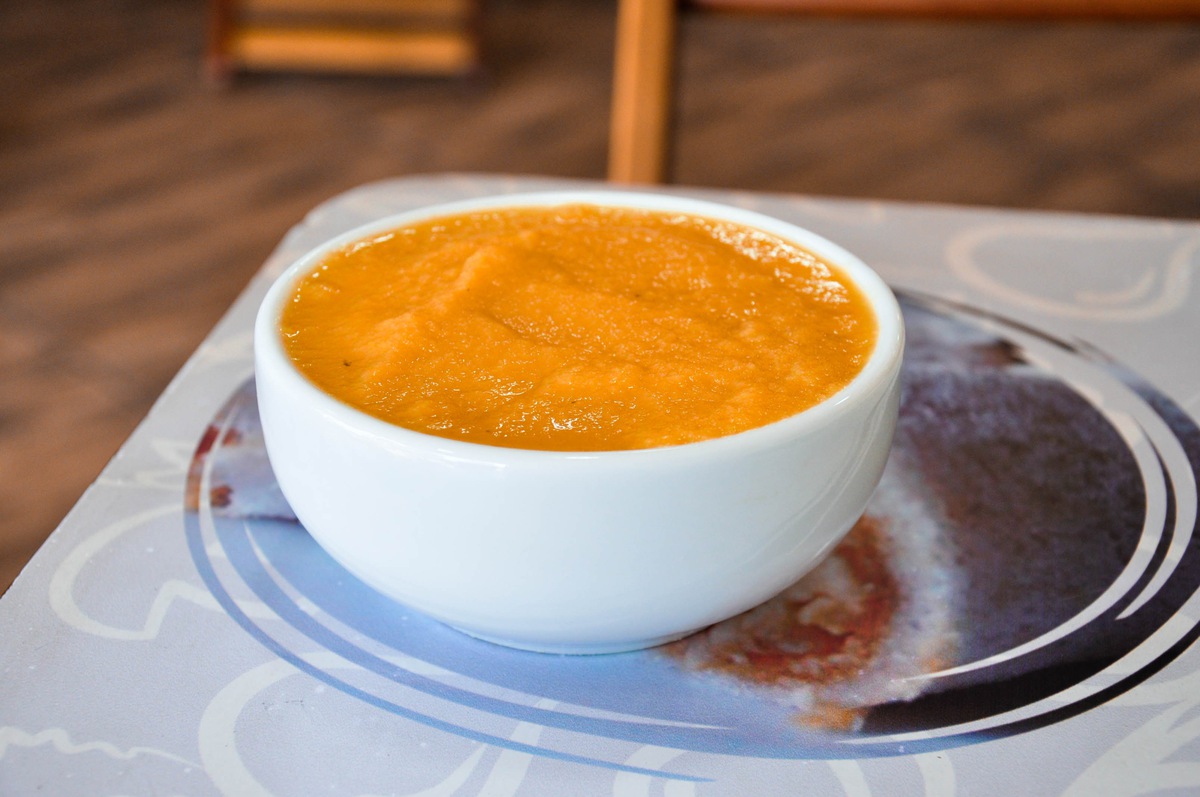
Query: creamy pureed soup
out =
(578, 328)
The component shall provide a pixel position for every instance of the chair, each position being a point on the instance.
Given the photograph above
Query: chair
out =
(643, 80)
(439, 37)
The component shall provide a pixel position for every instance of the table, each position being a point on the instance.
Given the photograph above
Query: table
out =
(1017, 614)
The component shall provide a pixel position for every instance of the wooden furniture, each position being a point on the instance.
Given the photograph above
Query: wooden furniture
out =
(642, 90)
(643, 79)
(439, 37)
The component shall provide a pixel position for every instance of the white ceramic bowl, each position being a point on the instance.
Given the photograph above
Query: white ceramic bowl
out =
(579, 552)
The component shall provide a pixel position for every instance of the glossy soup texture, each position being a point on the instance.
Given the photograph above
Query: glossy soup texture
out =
(578, 328)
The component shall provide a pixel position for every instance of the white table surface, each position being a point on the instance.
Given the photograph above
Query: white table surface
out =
(140, 656)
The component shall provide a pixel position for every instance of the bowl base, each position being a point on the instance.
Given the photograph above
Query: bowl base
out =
(575, 648)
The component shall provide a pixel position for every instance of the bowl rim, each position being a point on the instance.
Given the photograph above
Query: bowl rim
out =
(882, 365)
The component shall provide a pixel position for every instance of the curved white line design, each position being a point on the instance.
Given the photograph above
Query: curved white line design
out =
(235, 348)
(174, 456)
(62, 586)
(177, 453)
(218, 746)
(1183, 481)
(224, 765)
(1142, 762)
(851, 777)
(633, 784)
(937, 773)
(1160, 693)
(848, 211)
(61, 741)
(1135, 303)
(511, 767)
(454, 781)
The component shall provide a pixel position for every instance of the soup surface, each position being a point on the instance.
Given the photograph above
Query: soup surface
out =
(578, 328)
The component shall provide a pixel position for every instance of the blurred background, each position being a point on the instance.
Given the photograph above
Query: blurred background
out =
(137, 197)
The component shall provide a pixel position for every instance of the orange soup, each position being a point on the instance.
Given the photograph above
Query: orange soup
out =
(578, 328)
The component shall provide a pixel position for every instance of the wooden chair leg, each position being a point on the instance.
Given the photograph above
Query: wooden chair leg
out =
(642, 91)
(438, 37)
(218, 63)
